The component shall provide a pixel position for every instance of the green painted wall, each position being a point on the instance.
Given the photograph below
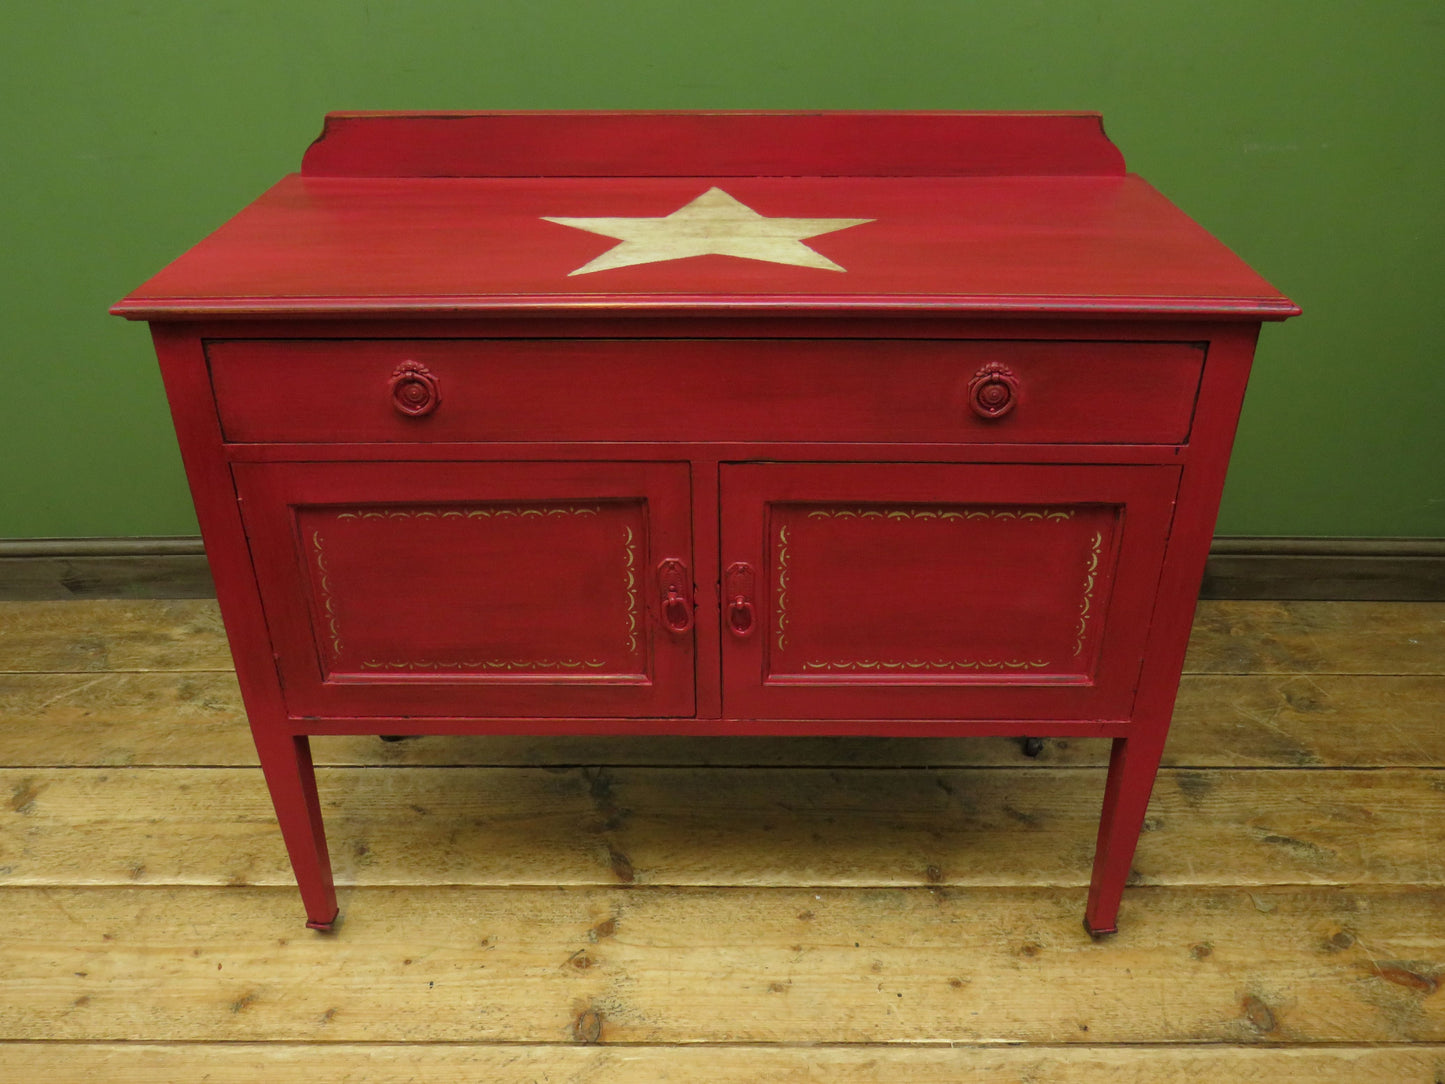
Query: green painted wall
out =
(1306, 134)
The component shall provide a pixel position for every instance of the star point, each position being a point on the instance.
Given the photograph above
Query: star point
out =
(712, 224)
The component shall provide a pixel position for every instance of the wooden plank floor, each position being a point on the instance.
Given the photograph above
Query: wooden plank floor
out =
(613, 911)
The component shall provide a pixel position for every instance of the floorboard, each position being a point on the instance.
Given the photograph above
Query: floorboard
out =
(1220, 721)
(725, 965)
(456, 1063)
(864, 827)
(1230, 637)
(625, 910)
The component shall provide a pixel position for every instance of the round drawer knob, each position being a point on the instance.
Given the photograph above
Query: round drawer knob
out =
(993, 391)
(414, 390)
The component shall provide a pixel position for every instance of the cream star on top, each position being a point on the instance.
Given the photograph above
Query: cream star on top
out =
(712, 223)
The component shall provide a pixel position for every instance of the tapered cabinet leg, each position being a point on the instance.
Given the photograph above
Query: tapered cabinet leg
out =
(286, 762)
(1132, 764)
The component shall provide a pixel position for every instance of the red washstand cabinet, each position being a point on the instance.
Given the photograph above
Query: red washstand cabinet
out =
(726, 423)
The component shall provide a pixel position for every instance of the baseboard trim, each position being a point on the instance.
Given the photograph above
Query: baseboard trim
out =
(1350, 569)
(37, 569)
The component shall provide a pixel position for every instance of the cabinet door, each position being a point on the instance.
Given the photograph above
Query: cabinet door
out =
(938, 591)
(475, 589)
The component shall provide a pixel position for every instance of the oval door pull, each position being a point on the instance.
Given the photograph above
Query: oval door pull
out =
(674, 589)
(740, 618)
(676, 612)
(414, 390)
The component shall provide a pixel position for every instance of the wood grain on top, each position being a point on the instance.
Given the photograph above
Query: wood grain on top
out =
(1059, 245)
(451, 214)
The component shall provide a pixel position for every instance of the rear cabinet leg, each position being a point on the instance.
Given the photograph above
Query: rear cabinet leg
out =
(1132, 764)
(291, 777)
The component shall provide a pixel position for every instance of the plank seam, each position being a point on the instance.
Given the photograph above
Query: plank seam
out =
(935, 1044)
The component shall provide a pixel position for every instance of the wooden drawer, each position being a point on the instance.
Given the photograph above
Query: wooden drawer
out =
(923, 391)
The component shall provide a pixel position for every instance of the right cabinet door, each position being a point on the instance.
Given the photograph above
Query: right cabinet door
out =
(938, 591)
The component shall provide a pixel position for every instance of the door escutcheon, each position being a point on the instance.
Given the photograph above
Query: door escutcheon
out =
(738, 595)
(674, 592)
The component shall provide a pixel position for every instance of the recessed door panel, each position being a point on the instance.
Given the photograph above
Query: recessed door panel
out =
(475, 589)
(938, 591)
(497, 590)
(960, 593)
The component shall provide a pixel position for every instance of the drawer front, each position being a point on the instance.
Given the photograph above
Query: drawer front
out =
(889, 391)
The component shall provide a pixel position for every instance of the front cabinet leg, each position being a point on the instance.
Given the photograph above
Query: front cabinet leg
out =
(291, 778)
(1133, 763)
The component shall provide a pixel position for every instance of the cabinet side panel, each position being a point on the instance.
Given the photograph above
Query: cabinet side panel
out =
(183, 369)
(1226, 372)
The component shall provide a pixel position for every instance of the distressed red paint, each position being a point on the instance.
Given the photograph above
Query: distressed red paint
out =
(964, 486)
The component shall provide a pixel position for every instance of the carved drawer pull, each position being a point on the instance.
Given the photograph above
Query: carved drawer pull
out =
(993, 391)
(414, 390)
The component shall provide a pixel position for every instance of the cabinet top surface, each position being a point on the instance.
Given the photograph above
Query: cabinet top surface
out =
(634, 213)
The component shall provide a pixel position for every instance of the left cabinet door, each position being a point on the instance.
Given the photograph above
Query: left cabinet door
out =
(475, 589)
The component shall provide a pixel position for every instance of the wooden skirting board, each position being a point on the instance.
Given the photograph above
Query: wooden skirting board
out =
(1343, 569)
(37, 569)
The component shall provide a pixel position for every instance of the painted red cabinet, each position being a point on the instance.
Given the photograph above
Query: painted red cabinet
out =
(892, 424)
